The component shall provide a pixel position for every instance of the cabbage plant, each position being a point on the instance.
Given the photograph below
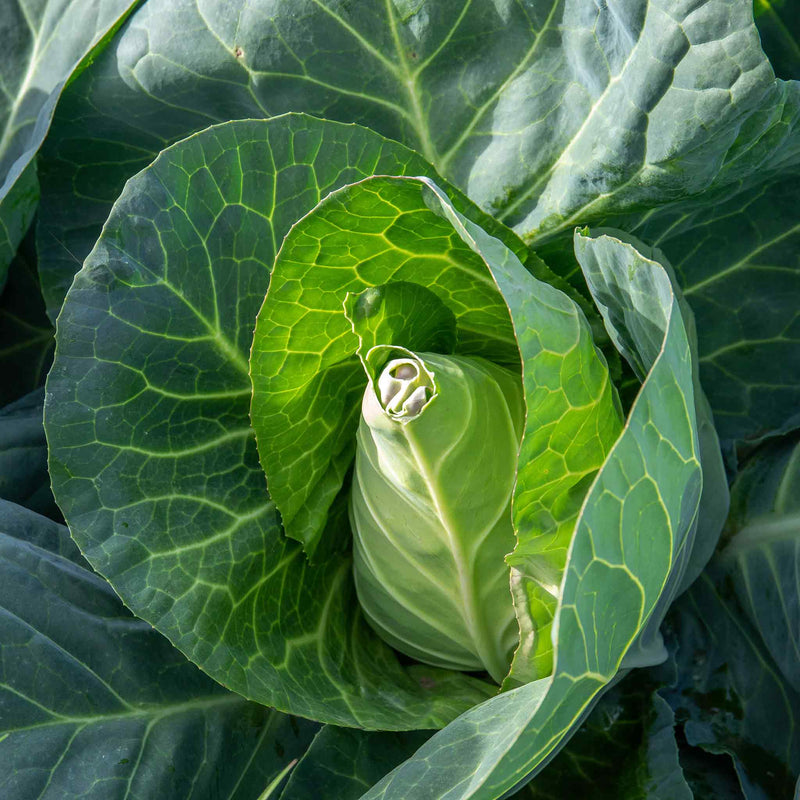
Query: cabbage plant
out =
(397, 352)
(386, 280)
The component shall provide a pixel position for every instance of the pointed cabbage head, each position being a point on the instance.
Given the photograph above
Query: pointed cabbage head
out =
(430, 509)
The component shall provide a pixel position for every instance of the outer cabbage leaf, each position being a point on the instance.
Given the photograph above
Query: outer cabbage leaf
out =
(342, 762)
(761, 556)
(779, 26)
(17, 207)
(545, 113)
(736, 256)
(26, 334)
(151, 453)
(42, 45)
(626, 749)
(731, 696)
(23, 456)
(636, 523)
(96, 704)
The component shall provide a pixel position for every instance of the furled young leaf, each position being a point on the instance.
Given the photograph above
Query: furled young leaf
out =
(151, 453)
(404, 314)
(651, 481)
(762, 553)
(430, 507)
(42, 44)
(546, 114)
(96, 704)
(342, 763)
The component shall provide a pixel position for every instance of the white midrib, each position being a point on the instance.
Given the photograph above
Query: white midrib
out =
(409, 80)
(768, 529)
(157, 712)
(475, 625)
(11, 125)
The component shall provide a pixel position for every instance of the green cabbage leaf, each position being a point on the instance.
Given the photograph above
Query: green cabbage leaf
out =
(257, 586)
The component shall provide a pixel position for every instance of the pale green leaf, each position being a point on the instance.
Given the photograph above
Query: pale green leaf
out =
(615, 577)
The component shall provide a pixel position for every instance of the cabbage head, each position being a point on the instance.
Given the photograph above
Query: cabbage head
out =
(431, 509)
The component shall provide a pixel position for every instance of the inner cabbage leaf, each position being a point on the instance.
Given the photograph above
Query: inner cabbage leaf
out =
(430, 509)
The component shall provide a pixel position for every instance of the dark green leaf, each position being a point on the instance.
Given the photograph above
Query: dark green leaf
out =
(23, 456)
(737, 257)
(731, 696)
(711, 775)
(341, 762)
(778, 24)
(762, 556)
(96, 704)
(42, 44)
(626, 749)
(392, 68)
(151, 453)
(26, 334)
(40, 531)
(547, 114)
(17, 207)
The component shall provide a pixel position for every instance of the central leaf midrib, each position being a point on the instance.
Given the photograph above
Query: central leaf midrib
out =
(472, 617)
(157, 712)
(408, 80)
(217, 338)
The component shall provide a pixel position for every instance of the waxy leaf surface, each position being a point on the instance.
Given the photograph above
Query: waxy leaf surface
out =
(547, 114)
(151, 452)
(96, 704)
(42, 45)
(762, 549)
(651, 481)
